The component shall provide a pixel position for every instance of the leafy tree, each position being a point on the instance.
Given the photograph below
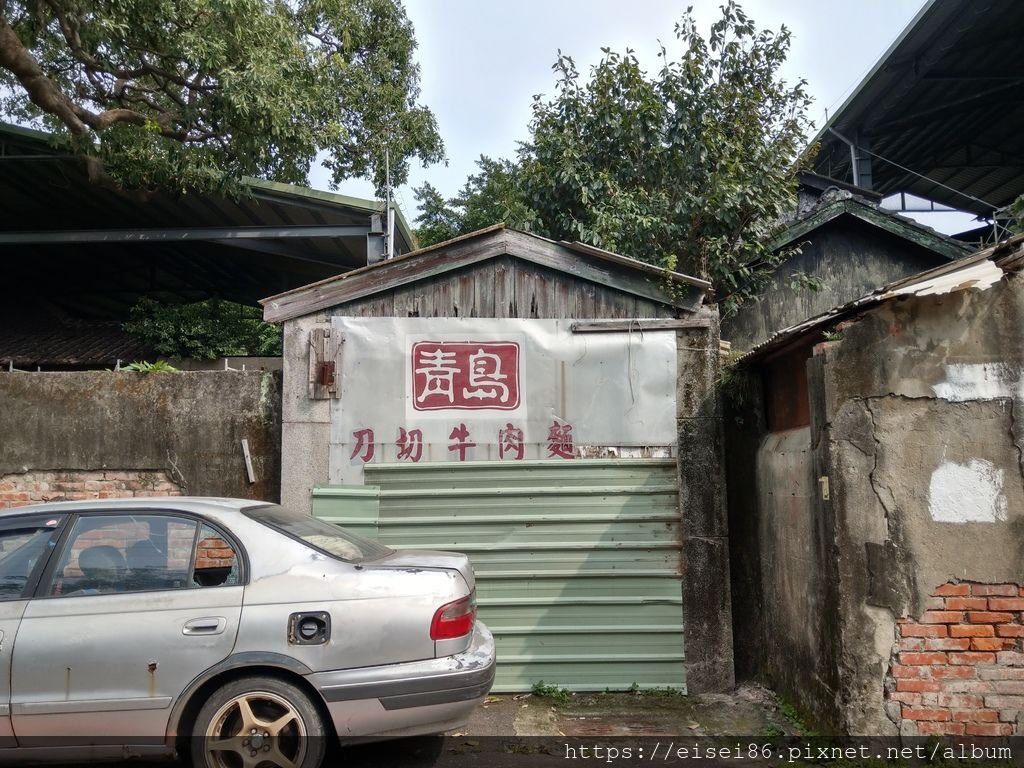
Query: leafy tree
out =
(690, 168)
(206, 329)
(199, 93)
(438, 219)
(1015, 215)
(491, 196)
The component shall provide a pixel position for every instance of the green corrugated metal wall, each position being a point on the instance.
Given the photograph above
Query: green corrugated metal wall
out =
(577, 562)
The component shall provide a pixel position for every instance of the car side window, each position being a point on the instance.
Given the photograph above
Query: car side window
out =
(125, 553)
(20, 550)
(216, 563)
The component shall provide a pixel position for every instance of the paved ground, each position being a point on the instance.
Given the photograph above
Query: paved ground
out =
(499, 734)
(750, 711)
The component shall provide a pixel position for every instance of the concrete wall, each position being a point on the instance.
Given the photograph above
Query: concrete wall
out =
(923, 402)
(83, 434)
(797, 568)
(707, 607)
(848, 257)
(891, 531)
(305, 422)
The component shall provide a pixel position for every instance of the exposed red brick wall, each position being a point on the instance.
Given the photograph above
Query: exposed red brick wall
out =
(17, 490)
(959, 669)
(214, 553)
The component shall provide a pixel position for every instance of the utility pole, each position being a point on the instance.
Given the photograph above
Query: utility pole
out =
(390, 225)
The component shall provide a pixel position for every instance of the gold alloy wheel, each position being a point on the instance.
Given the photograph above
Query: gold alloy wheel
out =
(257, 729)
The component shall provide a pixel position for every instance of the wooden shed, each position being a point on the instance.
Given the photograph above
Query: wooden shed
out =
(547, 408)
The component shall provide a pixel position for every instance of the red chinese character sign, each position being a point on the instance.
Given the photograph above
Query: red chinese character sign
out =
(410, 445)
(510, 442)
(427, 390)
(560, 441)
(471, 376)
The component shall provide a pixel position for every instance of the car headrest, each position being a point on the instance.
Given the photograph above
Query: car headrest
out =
(100, 560)
(145, 554)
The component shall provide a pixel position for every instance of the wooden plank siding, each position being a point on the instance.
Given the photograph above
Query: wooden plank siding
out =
(546, 281)
(505, 287)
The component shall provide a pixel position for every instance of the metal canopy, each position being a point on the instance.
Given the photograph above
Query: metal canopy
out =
(90, 251)
(177, 234)
(945, 102)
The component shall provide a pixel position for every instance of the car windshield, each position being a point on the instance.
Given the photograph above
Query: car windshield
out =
(337, 542)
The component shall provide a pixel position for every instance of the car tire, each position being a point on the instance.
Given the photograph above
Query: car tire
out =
(258, 721)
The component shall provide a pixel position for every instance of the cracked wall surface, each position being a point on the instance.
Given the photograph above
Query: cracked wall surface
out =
(920, 412)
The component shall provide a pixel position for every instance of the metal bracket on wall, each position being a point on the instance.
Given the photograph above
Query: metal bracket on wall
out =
(324, 363)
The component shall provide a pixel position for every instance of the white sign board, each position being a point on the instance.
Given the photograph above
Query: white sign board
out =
(471, 389)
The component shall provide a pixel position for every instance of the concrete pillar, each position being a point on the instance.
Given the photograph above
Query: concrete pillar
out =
(707, 611)
(305, 423)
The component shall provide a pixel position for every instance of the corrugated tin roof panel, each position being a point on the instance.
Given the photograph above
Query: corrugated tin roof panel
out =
(947, 96)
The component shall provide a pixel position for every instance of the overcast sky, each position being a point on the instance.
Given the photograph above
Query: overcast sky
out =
(483, 60)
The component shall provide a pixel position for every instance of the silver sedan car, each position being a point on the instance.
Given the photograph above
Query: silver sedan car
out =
(237, 633)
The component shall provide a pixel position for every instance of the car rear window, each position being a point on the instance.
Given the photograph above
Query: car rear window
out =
(330, 539)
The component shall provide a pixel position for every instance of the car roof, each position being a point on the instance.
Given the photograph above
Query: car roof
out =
(216, 507)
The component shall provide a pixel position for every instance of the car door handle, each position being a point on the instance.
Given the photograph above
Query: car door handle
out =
(208, 625)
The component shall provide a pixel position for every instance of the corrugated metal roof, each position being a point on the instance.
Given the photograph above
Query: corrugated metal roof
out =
(975, 272)
(45, 190)
(69, 344)
(946, 101)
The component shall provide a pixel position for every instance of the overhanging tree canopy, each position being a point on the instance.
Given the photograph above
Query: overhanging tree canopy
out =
(197, 93)
(690, 168)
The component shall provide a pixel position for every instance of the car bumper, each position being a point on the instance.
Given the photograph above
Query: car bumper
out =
(412, 698)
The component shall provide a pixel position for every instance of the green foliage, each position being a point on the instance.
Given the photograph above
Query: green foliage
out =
(772, 731)
(1016, 218)
(736, 383)
(438, 220)
(791, 714)
(160, 366)
(692, 166)
(206, 329)
(553, 692)
(492, 196)
(665, 692)
(187, 94)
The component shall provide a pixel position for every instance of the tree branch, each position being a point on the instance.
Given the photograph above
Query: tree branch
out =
(16, 58)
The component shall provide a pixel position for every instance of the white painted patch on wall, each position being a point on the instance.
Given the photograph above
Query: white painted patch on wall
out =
(967, 494)
(980, 381)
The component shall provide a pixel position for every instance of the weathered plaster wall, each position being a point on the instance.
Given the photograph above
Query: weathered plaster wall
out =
(848, 257)
(797, 578)
(922, 401)
(305, 422)
(707, 609)
(185, 427)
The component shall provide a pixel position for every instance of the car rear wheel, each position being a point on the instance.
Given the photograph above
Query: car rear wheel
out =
(258, 722)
